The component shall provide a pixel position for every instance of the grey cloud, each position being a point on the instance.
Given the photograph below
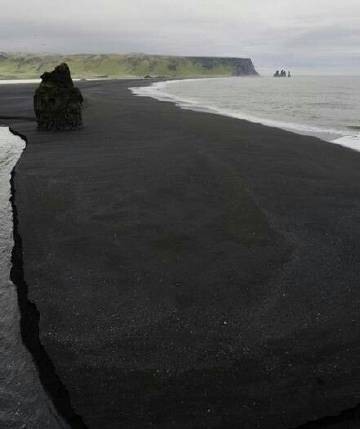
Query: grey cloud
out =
(307, 34)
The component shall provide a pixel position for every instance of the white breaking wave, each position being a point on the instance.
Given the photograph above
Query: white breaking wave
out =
(17, 81)
(177, 91)
(353, 142)
(10, 149)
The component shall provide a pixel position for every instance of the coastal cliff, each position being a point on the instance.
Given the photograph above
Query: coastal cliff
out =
(22, 66)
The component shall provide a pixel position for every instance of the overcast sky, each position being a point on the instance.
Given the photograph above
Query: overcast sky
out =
(312, 35)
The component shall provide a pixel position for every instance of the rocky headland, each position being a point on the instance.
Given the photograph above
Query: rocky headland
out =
(17, 66)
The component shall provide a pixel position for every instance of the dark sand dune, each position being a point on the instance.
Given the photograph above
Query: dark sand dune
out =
(190, 270)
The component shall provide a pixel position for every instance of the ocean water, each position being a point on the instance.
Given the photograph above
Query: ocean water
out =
(23, 403)
(323, 106)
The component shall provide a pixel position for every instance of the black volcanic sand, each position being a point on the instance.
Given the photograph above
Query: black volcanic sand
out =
(190, 270)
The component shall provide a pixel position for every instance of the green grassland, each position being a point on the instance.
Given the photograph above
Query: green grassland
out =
(27, 66)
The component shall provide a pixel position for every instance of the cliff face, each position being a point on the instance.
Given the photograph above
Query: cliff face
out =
(19, 66)
(239, 66)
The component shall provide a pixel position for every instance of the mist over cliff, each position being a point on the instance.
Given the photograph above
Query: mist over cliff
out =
(19, 66)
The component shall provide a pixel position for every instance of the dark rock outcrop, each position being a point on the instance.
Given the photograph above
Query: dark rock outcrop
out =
(57, 102)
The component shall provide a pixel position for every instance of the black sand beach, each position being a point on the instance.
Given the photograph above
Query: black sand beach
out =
(190, 270)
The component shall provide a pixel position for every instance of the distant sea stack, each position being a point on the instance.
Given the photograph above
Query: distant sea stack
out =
(282, 73)
(24, 66)
(57, 102)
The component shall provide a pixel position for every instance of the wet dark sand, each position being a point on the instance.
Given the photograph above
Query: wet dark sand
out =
(190, 270)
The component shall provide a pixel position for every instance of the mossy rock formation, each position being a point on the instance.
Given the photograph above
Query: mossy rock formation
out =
(57, 102)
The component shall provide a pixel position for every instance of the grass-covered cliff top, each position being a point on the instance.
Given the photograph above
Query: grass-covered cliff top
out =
(26, 66)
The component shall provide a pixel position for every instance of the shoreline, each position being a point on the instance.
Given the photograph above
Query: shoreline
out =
(29, 322)
(157, 91)
(22, 397)
(202, 116)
